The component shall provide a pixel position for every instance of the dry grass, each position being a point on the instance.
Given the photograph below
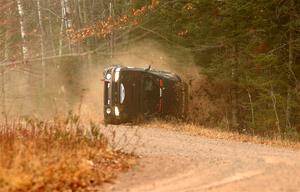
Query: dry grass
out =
(57, 155)
(215, 133)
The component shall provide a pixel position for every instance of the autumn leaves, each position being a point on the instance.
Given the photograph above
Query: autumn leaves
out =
(105, 28)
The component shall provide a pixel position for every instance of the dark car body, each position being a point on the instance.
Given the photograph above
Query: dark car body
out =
(133, 93)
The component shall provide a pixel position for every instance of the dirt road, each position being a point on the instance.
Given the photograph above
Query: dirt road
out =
(175, 162)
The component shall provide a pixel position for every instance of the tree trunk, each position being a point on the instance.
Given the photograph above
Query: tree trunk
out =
(84, 12)
(3, 92)
(40, 17)
(125, 38)
(89, 44)
(80, 13)
(62, 24)
(22, 29)
(288, 110)
(67, 14)
(274, 102)
(67, 18)
(27, 77)
(234, 90)
(291, 75)
(252, 111)
(6, 41)
(112, 39)
(51, 33)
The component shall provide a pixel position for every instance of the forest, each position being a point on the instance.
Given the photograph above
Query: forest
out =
(246, 53)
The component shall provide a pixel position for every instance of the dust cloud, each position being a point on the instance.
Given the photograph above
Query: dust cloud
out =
(74, 84)
(159, 56)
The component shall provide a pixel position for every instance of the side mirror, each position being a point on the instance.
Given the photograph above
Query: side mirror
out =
(149, 68)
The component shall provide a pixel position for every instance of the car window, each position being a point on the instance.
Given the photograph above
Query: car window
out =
(150, 94)
(148, 84)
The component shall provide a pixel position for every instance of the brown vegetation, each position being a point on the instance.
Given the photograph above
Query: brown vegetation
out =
(58, 155)
(208, 104)
(105, 28)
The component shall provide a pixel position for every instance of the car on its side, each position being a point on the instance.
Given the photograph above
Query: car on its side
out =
(133, 93)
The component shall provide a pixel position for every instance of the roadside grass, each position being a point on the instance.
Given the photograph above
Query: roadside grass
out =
(218, 133)
(63, 154)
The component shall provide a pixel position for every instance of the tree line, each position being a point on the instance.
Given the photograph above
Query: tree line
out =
(252, 47)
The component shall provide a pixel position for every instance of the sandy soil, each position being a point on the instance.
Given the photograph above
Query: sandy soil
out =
(175, 162)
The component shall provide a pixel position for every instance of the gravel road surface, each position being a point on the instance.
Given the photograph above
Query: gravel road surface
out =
(176, 162)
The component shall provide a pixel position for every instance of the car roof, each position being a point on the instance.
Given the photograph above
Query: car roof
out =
(166, 74)
(128, 68)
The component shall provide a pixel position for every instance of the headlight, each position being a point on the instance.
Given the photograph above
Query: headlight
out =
(117, 74)
(117, 112)
(108, 76)
(108, 110)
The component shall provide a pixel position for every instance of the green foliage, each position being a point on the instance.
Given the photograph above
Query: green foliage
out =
(247, 43)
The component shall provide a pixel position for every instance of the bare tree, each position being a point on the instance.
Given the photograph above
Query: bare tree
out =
(40, 17)
(22, 29)
(51, 31)
(274, 102)
(66, 22)
(112, 37)
(291, 75)
(67, 14)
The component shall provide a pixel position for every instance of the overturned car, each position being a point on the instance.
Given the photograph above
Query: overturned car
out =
(139, 93)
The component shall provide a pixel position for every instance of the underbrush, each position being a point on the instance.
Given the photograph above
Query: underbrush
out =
(250, 109)
(63, 154)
